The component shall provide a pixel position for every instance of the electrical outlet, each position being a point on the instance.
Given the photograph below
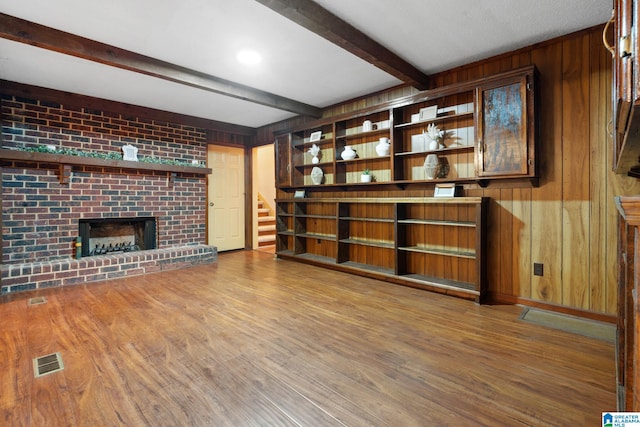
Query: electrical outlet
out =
(538, 269)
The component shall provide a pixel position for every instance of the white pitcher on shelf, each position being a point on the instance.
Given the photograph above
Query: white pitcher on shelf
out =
(383, 147)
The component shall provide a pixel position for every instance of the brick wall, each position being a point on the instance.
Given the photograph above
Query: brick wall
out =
(40, 215)
(28, 122)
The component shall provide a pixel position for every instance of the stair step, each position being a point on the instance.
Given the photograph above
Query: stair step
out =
(266, 228)
(268, 238)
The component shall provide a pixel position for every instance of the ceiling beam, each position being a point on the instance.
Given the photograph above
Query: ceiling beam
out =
(23, 31)
(319, 20)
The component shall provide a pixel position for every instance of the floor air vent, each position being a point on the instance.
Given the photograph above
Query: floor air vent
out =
(37, 300)
(48, 364)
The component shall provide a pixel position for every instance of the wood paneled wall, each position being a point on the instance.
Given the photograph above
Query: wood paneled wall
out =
(568, 222)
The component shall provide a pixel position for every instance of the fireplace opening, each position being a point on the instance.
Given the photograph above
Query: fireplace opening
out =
(103, 236)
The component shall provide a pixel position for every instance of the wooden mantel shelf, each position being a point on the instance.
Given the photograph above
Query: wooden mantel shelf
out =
(66, 161)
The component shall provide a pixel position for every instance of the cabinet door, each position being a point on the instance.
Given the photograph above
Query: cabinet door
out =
(283, 160)
(505, 129)
(623, 68)
(625, 81)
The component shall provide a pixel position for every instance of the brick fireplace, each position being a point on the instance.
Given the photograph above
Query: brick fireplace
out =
(45, 201)
(101, 236)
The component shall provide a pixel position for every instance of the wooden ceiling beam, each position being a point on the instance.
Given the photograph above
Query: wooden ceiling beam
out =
(23, 31)
(319, 20)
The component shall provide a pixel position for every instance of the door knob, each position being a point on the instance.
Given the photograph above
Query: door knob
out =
(210, 203)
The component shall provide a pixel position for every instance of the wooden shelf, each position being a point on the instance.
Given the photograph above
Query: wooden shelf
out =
(388, 200)
(316, 258)
(315, 216)
(316, 236)
(372, 133)
(63, 159)
(436, 251)
(388, 245)
(367, 268)
(434, 222)
(445, 150)
(438, 119)
(362, 159)
(312, 165)
(348, 218)
(303, 147)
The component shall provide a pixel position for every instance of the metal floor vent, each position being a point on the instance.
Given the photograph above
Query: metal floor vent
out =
(48, 364)
(37, 300)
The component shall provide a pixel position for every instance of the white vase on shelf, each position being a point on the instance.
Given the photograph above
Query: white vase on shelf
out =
(315, 152)
(431, 166)
(349, 153)
(316, 175)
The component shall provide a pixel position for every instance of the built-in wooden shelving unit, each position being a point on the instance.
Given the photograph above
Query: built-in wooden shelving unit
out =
(433, 243)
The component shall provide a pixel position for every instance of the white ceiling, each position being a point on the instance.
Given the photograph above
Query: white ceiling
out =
(205, 35)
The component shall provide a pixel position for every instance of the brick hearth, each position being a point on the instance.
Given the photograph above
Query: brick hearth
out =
(46, 274)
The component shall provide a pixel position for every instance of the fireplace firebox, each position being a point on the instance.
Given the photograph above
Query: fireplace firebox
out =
(101, 236)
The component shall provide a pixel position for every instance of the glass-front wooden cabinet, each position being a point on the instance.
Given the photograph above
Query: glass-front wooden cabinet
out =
(505, 127)
(283, 160)
(626, 86)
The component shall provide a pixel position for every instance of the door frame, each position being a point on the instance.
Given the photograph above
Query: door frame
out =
(248, 191)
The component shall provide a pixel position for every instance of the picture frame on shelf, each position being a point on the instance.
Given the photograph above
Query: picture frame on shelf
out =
(315, 136)
(299, 194)
(419, 143)
(445, 190)
(428, 113)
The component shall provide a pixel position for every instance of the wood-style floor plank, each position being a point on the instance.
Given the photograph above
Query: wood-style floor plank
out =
(257, 341)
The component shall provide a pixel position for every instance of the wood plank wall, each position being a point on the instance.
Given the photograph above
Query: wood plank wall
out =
(567, 223)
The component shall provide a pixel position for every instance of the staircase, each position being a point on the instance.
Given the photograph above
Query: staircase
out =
(266, 228)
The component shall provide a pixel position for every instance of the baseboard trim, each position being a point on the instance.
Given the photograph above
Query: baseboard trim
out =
(496, 298)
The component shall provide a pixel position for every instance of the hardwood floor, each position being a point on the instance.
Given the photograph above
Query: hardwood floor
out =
(256, 341)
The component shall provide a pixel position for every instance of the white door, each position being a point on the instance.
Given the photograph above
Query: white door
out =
(226, 198)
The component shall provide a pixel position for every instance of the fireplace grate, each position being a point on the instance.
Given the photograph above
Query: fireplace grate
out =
(118, 247)
(45, 365)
